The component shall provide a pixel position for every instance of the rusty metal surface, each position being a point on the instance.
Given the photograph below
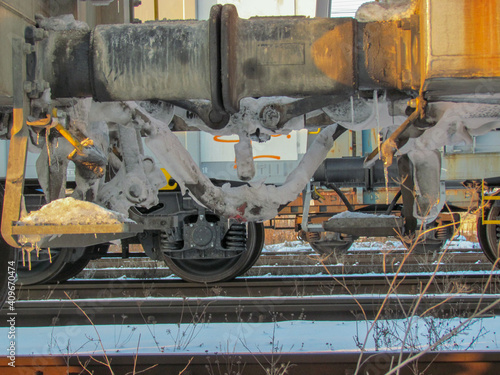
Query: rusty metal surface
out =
(461, 52)
(285, 56)
(389, 54)
(39, 365)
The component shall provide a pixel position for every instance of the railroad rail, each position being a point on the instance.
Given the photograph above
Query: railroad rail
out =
(174, 310)
(262, 286)
(321, 363)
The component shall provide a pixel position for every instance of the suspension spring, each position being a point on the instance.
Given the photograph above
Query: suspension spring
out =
(443, 233)
(167, 244)
(236, 238)
(313, 236)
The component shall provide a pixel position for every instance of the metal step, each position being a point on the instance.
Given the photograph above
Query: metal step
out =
(361, 224)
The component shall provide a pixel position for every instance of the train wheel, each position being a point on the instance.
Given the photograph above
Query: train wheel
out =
(428, 246)
(71, 269)
(42, 268)
(331, 247)
(489, 234)
(216, 270)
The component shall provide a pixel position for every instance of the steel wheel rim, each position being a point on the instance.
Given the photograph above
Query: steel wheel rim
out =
(217, 270)
(493, 232)
(42, 270)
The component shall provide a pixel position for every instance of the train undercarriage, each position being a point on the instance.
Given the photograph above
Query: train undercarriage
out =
(107, 102)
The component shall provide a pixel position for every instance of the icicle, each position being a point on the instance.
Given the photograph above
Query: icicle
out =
(47, 132)
(386, 170)
(386, 178)
(377, 117)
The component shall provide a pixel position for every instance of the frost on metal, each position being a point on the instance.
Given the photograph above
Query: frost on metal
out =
(244, 158)
(61, 23)
(252, 202)
(361, 114)
(455, 124)
(360, 215)
(386, 10)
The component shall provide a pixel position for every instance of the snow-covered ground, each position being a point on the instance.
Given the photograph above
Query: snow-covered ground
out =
(289, 336)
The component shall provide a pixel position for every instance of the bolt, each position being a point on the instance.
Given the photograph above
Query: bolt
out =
(41, 85)
(40, 34)
(270, 117)
(28, 48)
(211, 224)
(135, 191)
(60, 114)
(28, 86)
(413, 103)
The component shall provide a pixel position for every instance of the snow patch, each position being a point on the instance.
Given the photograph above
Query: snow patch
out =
(360, 215)
(386, 10)
(70, 211)
(61, 23)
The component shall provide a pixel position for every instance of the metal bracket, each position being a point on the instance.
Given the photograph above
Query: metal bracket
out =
(494, 198)
(306, 204)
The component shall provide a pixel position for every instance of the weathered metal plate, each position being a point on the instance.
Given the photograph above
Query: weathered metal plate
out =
(462, 46)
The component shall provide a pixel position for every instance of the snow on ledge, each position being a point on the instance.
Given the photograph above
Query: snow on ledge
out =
(360, 215)
(388, 10)
(70, 211)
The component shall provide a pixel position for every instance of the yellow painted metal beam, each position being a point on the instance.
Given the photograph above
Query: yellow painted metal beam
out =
(16, 163)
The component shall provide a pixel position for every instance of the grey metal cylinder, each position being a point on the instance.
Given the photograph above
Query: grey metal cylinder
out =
(65, 63)
(161, 60)
(164, 60)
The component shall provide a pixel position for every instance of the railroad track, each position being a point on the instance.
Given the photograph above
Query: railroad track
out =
(261, 286)
(249, 300)
(305, 263)
(443, 363)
